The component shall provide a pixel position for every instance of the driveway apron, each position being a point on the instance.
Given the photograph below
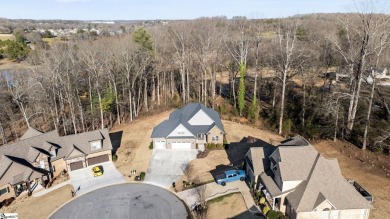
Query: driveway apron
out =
(167, 166)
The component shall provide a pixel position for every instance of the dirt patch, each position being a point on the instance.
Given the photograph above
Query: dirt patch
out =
(134, 152)
(370, 170)
(229, 206)
(39, 207)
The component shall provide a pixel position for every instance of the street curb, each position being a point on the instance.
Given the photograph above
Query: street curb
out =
(55, 211)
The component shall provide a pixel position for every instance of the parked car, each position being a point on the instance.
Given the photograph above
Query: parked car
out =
(97, 171)
(230, 176)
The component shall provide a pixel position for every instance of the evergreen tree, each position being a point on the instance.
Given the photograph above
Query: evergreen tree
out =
(241, 89)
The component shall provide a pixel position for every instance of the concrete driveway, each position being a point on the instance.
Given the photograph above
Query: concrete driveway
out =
(167, 166)
(84, 178)
(128, 200)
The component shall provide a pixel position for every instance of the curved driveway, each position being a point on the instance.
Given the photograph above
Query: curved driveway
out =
(128, 200)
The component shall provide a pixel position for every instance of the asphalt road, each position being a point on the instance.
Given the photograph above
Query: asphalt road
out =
(127, 200)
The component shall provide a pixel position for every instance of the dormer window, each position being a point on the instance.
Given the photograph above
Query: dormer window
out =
(53, 153)
(181, 132)
(96, 145)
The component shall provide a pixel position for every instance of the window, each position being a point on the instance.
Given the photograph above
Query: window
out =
(180, 132)
(53, 153)
(96, 145)
(4, 191)
(214, 138)
(53, 169)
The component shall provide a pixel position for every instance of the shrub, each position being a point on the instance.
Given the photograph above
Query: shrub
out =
(114, 157)
(265, 209)
(272, 214)
(211, 146)
(151, 145)
(142, 176)
(219, 146)
(262, 200)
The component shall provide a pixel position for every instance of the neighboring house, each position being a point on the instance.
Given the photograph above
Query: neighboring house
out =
(301, 183)
(379, 73)
(192, 125)
(38, 157)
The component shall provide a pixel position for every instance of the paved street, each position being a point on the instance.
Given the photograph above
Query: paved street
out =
(166, 166)
(84, 178)
(129, 200)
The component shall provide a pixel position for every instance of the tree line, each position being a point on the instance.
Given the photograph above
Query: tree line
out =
(273, 69)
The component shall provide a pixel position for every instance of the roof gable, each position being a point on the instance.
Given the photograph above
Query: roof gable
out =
(181, 131)
(76, 152)
(200, 118)
(31, 132)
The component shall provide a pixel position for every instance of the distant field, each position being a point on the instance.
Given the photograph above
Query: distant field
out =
(51, 40)
(7, 36)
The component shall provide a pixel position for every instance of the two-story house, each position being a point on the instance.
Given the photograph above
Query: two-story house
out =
(191, 126)
(38, 157)
(301, 183)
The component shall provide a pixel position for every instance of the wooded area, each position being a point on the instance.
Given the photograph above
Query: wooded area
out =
(275, 71)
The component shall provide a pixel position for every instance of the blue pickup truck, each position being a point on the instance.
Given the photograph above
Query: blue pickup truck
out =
(230, 176)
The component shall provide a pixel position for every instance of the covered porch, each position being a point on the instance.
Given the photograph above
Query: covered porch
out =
(27, 183)
(273, 194)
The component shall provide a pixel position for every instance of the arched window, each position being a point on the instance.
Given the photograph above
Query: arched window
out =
(326, 209)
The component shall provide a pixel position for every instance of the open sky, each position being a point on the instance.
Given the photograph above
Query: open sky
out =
(166, 9)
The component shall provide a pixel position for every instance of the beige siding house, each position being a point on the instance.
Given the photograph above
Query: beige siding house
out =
(38, 157)
(190, 127)
(301, 183)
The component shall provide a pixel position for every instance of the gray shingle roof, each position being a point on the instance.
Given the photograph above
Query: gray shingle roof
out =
(182, 116)
(270, 184)
(325, 182)
(321, 178)
(16, 158)
(296, 162)
(31, 132)
(259, 158)
(295, 141)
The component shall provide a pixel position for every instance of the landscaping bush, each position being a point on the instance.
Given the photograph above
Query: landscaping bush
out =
(142, 176)
(262, 200)
(272, 214)
(114, 157)
(219, 146)
(151, 145)
(265, 210)
(211, 146)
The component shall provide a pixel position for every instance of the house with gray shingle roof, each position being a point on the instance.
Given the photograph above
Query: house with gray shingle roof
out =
(188, 127)
(39, 156)
(301, 183)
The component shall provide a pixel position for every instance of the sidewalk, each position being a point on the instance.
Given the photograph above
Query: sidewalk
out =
(45, 191)
(213, 190)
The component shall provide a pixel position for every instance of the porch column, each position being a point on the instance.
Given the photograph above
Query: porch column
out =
(28, 186)
(273, 203)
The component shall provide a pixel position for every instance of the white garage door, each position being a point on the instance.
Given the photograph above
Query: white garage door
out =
(181, 145)
(159, 145)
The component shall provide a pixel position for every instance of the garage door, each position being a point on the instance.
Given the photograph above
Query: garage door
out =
(181, 145)
(98, 159)
(159, 145)
(76, 165)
